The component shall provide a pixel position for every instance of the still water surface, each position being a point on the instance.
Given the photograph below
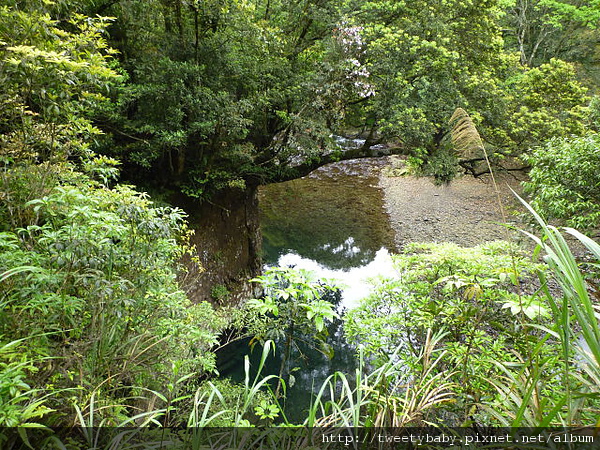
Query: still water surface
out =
(331, 222)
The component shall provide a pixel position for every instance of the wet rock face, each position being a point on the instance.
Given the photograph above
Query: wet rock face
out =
(228, 241)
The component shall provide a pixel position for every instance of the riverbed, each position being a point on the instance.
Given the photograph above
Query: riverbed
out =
(465, 211)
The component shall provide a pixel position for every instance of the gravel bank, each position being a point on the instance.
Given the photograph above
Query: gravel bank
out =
(464, 212)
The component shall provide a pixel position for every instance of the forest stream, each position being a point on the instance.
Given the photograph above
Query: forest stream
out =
(321, 224)
(219, 214)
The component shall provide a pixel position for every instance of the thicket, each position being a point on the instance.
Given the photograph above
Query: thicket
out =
(92, 313)
(495, 336)
(564, 181)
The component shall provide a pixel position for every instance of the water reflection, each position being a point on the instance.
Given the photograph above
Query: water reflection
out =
(335, 216)
(354, 282)
(333, 223)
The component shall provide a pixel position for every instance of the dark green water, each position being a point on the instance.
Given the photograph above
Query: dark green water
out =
(335, 216)
(332, 222)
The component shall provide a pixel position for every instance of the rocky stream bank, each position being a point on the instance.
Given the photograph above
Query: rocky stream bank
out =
(465, 211)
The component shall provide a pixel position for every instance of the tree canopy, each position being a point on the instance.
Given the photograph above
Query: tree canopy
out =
(227, 95)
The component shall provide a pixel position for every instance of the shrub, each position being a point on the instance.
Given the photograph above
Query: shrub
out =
(220, 293)
(564, 182)
(104, 300)
(473, 295)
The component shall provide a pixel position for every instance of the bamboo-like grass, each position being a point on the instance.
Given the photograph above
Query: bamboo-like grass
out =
(383, 398)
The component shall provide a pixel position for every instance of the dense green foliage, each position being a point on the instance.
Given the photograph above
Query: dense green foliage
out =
(243, 93)
(91, 304)
(543, 29)
(470, 295)
(95, 328)
(104, 286)
(54, 76)
(564, 181)
(221, 95)
(293, 311)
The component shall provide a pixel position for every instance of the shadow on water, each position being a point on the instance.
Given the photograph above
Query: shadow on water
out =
(332, 222)
(309, 367)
